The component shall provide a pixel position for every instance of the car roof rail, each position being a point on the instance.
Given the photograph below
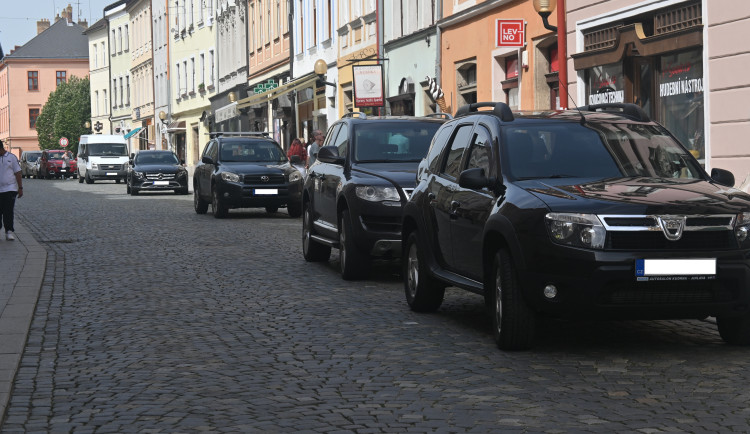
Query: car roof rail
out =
(439, 115)
(633, 111)
(360, 115)
(238, 133)
(499, 109)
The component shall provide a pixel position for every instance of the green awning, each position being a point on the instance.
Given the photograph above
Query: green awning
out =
(132, 133)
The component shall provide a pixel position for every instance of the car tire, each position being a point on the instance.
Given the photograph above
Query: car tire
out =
(88, 179)
(312, 250)
(513, 322)
(117, 181)
(127, 188)
(220, 210)
(200, 205)
(294, 209)
(734, 330)
(423, 292)
(272, 209)
(80, 179)
(133, 191)
(352, 262)
(182, 190)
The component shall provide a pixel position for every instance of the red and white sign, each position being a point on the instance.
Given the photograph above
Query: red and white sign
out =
(63, 142)
(510, 33)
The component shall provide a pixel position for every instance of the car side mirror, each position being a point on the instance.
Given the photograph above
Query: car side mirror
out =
(295, 159)
(723, 177)
(182, 161)
(207, 160)
(330, 154)
(131, 162)
(474, 179)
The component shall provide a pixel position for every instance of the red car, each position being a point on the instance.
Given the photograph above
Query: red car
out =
(54, 164)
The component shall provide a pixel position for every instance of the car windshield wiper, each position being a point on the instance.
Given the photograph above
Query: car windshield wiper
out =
(561, 176)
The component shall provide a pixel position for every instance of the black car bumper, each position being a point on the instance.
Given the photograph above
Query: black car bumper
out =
(106, 174)
(377, 227)
(604, 284)
(149, 185)
(238, 195)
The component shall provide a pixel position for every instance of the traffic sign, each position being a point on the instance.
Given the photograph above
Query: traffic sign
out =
(63, 142)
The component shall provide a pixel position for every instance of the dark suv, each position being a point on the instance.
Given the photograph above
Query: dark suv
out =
(246, 170)
(156, 171)
(591, 213)
(355, 191)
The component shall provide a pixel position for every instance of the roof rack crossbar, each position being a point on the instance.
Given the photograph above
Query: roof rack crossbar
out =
(353, 114)
(628, 109)
(499, 109)
(439, 115)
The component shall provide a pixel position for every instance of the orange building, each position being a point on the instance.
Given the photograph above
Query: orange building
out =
(31, 72)
(475, 69)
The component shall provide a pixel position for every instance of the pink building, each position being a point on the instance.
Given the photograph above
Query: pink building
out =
(683, 61)
(30, 73)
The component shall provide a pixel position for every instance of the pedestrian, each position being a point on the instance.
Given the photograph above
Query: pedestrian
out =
(10, 187)
(297, 148)
(65, 165)
(312, 151)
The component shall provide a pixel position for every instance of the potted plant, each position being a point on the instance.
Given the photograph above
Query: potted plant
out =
(201, 87)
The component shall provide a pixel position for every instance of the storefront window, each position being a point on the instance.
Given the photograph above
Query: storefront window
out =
(680, 87)
(605, 84)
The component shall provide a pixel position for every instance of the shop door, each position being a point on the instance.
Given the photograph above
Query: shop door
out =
(641, 83)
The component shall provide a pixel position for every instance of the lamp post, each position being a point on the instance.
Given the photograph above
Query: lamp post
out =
(163, 119)
(545, 8)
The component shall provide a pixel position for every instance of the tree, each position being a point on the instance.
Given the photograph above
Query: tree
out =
(64, 115)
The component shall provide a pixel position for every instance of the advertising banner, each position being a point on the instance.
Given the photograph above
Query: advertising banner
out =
(368, 86)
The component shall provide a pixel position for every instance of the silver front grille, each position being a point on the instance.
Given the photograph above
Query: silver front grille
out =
(160, 176)
(110, 166)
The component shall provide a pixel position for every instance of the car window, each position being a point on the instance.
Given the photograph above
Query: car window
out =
(331, 135)
(211, 150)
(107, 149)
(252, 151)
(342, 140)
(438, 144)
(56, 155)
(393, 141)
(461, 140)
(156, 158)
(480, 150)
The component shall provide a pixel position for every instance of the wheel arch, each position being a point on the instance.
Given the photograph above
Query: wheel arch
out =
(499, 234)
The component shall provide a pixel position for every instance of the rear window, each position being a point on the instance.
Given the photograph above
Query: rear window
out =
(392, 141)
(107, 149)
(251, 152)
(57, 155)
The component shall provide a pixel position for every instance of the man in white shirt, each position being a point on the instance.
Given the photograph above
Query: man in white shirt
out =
(10, 187)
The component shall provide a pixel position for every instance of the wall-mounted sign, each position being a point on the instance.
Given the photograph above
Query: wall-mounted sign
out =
(368, 86)
(510, 33)
(265, 87)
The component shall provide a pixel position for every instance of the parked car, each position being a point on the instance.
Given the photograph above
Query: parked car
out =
(34, 169)
(591, 213)
(156, 171)
(355, 191)
(102, 157)
(54, 164)
(28, 158)
(245, 170)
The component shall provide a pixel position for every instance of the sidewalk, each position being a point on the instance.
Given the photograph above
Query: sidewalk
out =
(22, 265)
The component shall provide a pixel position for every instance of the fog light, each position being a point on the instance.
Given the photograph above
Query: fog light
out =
(226, 194)
(550, 291)
(741, 233)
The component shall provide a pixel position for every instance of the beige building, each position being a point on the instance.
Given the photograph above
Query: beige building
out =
(683, 61)
(99, 76)
(142, 75)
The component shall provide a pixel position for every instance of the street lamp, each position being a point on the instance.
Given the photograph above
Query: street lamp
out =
(232, 97)
(545, 8)
(321, 68)
(165, 133)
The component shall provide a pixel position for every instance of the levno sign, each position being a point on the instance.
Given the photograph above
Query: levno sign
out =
(510, 33)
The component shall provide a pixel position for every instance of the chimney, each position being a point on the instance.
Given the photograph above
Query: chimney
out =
(42, 25)
(57, 18)
(83, 23)
(68, 13)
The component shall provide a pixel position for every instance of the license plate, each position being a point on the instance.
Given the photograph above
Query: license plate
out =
(161, 182)
(266, 191)
(111, 173)
(675, 269)
(63, 170)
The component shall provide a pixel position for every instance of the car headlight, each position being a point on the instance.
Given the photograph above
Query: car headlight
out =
(577, 230)
(377, 194)
(742, 226)
(230, 177)
(94, 166)
(139, 175)
(181, 173)
(295, 176)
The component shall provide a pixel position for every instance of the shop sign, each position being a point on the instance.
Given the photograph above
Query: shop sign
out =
(227, 112)
(368, 86)
(605, 84)
(683, 83)
(510, 33)
(265, 87)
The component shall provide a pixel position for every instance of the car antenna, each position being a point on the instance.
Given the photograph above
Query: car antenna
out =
(583, 118)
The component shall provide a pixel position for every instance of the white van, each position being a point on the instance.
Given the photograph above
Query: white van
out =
(102, 156)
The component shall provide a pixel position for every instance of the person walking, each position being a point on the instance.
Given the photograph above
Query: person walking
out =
(312, 150)
(10, 187)
(297, 148)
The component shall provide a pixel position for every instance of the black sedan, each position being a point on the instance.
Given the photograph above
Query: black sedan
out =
(157, 171)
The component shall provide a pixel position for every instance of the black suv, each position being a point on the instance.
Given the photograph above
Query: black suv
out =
(156, 171)
(591, 213)
(355, 191)
(246, 170)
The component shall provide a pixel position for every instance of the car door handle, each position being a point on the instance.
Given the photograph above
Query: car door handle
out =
(455, 205)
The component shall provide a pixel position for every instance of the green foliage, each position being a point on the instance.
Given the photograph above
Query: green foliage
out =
(64, 115)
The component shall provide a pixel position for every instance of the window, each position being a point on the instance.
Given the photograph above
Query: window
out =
(114, 93)
(510, 84)
(211, 66)
(278, 18)
(113, 42)
(119, 39)
(95, 56)
(190, 14)
(33, 80)
(105, 101)
(192, 74)
(460, 141)
(203, 69)
(252, 28)
(479, 153)
(96, 103)
(315, 24)
(270, 34)
(466, 75)
(301, 27)
(33, 114)
(61, 77)
(260, 24)
(127, 86)
(104, 55)
(179, 87)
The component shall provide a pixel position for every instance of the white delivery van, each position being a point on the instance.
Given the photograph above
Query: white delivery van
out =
(102, 156)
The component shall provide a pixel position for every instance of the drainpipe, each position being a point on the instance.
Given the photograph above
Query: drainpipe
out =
(438, 45)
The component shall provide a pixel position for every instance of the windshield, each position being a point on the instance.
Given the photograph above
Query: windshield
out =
(32, 157)
(393, 141)
(108, 149)
(57, 155)
(252, 151)
(156, 158)
(596, 151)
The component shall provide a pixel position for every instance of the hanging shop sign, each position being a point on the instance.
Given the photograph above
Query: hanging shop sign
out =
(510, 33)
(368, 86)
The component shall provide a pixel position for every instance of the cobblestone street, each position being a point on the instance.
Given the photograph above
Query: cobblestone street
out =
(153, 318)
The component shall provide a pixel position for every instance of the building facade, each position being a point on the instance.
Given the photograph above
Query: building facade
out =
(30, 73)
(160, 37)
(142, 74)
(99, 76)
(119, 68)
(358, 46)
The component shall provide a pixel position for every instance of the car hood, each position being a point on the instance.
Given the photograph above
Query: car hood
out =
(643, 196)
(158, 168)
(404, 174)
(255, 168)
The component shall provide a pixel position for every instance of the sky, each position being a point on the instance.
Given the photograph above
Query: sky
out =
(18, 17)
